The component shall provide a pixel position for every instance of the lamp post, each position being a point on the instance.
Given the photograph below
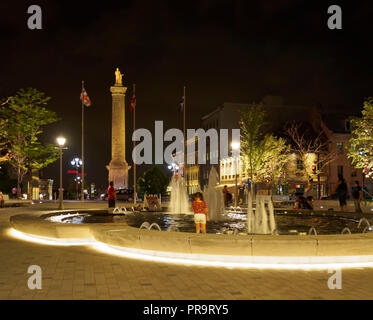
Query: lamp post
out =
(61, 142)
(236, 154)
(76, 162)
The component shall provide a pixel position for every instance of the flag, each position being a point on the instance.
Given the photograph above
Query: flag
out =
(84, 98)
(133, 102)
(181, 104)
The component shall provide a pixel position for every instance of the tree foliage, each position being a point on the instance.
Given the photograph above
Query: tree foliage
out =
(154, 181)
(6, 181)
(360, 148)
(275, 159)
(4, 156)
(312, 151)
(26, 114)
(3, 150)
(264, 155)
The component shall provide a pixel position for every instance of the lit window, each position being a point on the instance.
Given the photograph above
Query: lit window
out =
(340, 147)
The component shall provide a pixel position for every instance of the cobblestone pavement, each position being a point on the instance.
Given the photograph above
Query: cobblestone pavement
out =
(82, 273)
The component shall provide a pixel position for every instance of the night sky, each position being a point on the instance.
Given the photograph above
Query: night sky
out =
(223, 51)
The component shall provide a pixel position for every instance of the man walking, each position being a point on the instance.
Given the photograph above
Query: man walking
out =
(357, 194)
(112, 196)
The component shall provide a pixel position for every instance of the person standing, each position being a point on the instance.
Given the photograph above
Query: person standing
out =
(200, 212)
(112, 196)
(2, 201)
(225, 192)
(241, 194)
(357, 194)
(341, 191)
(14, 193)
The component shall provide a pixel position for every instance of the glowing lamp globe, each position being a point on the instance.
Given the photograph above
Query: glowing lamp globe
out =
(61, 141)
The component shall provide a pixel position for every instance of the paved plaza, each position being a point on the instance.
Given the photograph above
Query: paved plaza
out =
(79, 272)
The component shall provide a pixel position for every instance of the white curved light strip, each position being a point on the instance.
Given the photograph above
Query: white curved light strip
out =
(241, 262)
(48, 241)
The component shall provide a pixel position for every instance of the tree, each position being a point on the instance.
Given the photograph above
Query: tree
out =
(264, 155)
(38, 157)
(276, 157)
(26, 114)
(312, 151)
(360, 148)
(154, 181)
(3, 141)
(6, 181)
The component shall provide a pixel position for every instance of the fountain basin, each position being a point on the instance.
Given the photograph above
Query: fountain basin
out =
(287, 224)
(259, 251)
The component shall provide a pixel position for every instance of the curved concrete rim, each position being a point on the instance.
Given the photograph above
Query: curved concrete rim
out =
(277, 251)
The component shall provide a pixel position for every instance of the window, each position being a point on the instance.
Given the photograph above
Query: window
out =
(340, 147)
(353, 174)
(340, 170)
(299, 164)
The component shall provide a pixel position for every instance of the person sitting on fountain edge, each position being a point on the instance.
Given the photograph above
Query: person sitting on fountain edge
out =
(200, 212)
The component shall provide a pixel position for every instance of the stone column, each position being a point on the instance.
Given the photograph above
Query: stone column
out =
(118, 166)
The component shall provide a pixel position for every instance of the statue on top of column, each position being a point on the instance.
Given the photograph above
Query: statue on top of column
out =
(118, 77)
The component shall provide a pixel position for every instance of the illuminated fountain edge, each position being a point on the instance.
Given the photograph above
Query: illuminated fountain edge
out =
(248, 251)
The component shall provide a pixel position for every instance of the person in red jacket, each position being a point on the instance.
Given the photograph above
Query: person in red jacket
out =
(200, 212)
(112, 196)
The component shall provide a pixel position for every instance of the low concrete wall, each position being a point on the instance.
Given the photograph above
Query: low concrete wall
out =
(40, 227)
(320, 205)
(213, 244)
(17, 203)
(256, 245)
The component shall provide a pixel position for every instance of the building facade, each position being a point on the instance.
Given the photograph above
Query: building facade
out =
(337, 128)
(322, 183)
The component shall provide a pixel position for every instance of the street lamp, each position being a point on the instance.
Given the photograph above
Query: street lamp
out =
(173, 167)
(76, 163)
(61, 142)
(236, 154)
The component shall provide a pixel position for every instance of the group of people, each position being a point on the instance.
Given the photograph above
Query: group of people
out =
(2, 197)
(342, 193)
(228, 197)
(304, 202)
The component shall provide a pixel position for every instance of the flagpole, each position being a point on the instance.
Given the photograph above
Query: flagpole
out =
(133, 153)
(82, 186)
(184, 135)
